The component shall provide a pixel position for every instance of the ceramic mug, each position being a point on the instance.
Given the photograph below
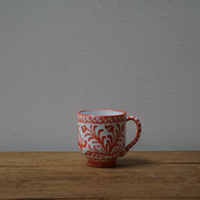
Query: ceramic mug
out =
(102, 135)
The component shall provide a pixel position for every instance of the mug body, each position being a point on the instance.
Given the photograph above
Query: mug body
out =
(101, 136)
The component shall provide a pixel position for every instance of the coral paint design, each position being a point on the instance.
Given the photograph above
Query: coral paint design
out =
(100, 120)
(81, 144)
(104, 148)
(139, 129)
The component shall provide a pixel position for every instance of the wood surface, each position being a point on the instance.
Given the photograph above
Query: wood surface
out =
(65, 175)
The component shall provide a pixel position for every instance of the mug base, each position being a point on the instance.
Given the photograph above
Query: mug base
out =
(95, 163)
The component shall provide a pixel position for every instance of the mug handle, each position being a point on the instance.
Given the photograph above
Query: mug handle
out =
(139, 128)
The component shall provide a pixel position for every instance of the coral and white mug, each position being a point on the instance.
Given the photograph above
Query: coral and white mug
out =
(102, 135)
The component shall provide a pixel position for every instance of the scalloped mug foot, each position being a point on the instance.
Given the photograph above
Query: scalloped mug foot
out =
(95, 163)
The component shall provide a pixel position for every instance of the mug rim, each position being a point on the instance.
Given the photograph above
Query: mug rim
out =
(89, 115)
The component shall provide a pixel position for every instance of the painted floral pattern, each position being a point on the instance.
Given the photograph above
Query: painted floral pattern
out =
(81, 142)
(102, 146)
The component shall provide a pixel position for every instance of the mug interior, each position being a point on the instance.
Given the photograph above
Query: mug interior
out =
(102, 112)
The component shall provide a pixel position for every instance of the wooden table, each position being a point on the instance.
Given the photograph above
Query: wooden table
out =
(137, 176)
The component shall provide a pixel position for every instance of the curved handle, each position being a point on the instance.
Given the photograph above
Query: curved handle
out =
(139, 128)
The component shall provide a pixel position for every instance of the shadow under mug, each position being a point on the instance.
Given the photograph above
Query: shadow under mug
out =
(102, 135)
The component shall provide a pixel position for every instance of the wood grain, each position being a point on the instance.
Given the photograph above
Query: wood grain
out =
(65, 175)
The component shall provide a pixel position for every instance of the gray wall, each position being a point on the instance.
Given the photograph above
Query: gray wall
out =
(59, 57)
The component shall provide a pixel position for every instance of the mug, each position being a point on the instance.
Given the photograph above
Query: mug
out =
(102, 135)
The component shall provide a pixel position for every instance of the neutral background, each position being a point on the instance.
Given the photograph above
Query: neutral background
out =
(59, 57)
